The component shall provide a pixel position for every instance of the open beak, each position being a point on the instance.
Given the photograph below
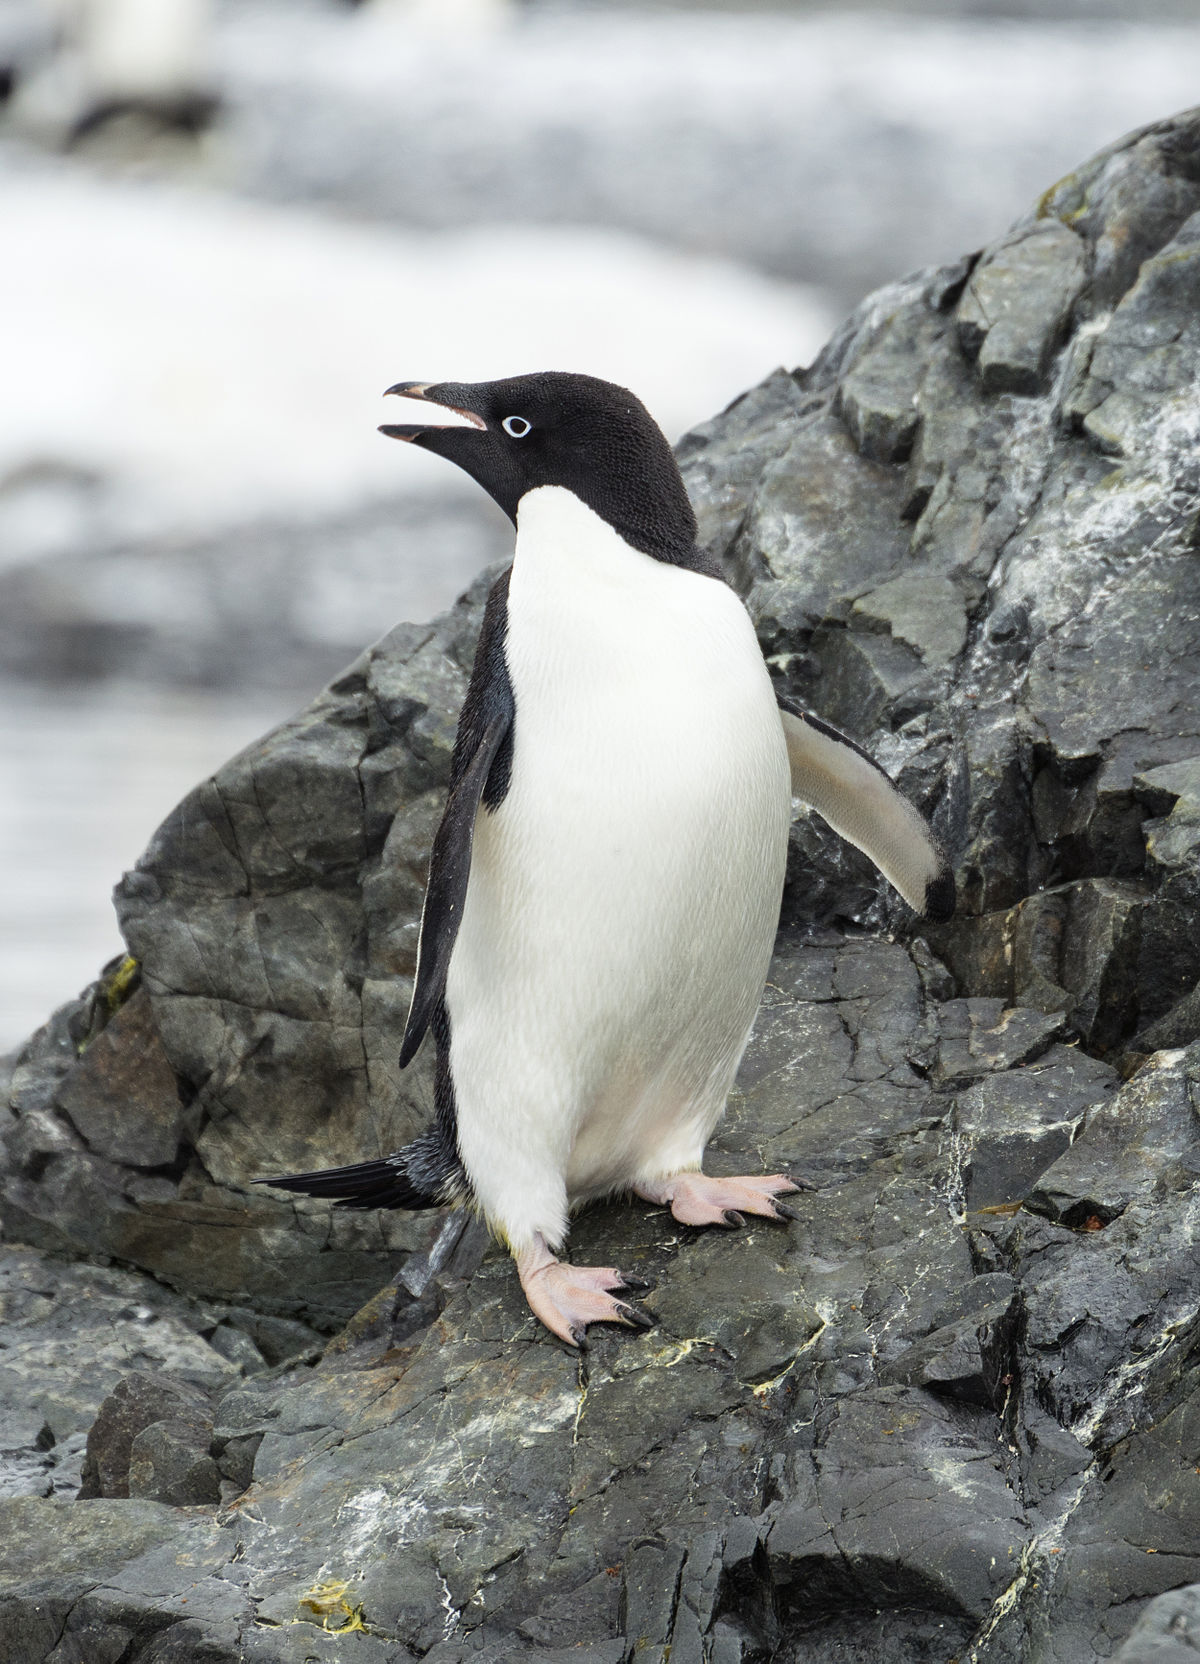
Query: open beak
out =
(428, 393)
(481, 451)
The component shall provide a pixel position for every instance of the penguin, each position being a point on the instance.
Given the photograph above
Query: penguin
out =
(605, 884)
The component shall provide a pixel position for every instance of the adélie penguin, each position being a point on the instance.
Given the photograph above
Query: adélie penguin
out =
(605, 883)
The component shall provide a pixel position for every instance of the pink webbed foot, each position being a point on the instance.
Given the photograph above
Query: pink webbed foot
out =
(567, 1298)
(697, 1199)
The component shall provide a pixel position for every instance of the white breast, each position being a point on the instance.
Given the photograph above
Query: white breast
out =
(623, 899)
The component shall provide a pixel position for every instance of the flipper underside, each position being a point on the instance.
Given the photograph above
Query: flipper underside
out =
(847, 788)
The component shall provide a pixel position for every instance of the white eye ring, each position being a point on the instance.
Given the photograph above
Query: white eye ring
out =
(516, 427)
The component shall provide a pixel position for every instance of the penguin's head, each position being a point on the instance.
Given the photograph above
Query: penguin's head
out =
(588, 436)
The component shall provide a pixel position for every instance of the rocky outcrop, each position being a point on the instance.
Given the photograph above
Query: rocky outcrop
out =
(947, 1412)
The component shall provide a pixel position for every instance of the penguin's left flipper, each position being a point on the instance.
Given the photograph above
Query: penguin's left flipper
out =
(449, 870)
(848, 789)
(484, 728)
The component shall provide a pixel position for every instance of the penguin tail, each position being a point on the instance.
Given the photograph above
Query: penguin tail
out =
(370, 1184)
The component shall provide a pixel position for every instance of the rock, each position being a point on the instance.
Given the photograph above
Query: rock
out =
(1075, 950)
(952, 1409)
(970, 1354)
(219, 883)
(929, 614)
(1127, 1148)
(121, 1461)
(1179, 1027)
(71, 1332)
(235, 1460)
(169, 1461)
(546, 1476)
(1018, 302)
(123, 1098)
(1174, 786)
(1015, 1124)
(877, 397)
(979, 1036)
(1168, 1631)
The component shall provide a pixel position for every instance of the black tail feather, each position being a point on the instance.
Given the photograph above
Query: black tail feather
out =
(369, 1184)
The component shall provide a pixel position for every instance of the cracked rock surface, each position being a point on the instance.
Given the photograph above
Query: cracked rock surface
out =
(952, 1411)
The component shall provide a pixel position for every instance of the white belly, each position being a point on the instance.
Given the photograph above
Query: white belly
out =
(624, 897)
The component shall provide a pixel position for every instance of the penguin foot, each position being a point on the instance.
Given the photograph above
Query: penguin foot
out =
(696, 1199)
(566, 1298)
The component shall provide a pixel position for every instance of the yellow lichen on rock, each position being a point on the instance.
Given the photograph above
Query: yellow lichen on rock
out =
(329, 1605)
(120, 984)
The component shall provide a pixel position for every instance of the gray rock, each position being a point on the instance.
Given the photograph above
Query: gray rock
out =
(1076, 950)
(169, 1461)
(1168, 1631)
(1016, 1124)
(979, 1036)
(928, 614)
(952, 1408)
(1151, 1121)
(1018, 303)
(1179, 1027)
(123, 1097)
(970, 1355)
(69, 1333)
(122, 1461)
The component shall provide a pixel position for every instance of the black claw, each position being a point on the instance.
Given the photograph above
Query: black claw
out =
(635, 1315)
(634, 1282)
(782, 1209)
(801, 1184)
(579, 1336)
(734, 1219)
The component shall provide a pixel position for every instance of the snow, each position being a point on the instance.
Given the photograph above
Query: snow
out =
(211, 360)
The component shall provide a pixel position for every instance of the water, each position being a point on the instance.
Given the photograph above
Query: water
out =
(86, 774)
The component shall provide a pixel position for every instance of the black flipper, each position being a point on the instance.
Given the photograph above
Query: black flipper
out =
(425, 1174)
(370, 1184)
(850, 790)
(479, 773)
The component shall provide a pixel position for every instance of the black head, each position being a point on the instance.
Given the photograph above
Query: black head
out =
(595, 439)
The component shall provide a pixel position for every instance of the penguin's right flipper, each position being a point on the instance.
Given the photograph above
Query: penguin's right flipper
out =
(484, 739)
(848, 789)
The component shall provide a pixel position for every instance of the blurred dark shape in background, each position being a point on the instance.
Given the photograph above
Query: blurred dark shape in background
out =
(230, 223)
(73, 66)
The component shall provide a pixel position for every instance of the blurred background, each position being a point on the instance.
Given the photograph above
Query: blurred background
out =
(226, 225)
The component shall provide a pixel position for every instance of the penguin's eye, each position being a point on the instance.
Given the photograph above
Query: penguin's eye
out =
(516, 427)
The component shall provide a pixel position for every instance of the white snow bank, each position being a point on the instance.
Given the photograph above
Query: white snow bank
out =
(212, 360)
